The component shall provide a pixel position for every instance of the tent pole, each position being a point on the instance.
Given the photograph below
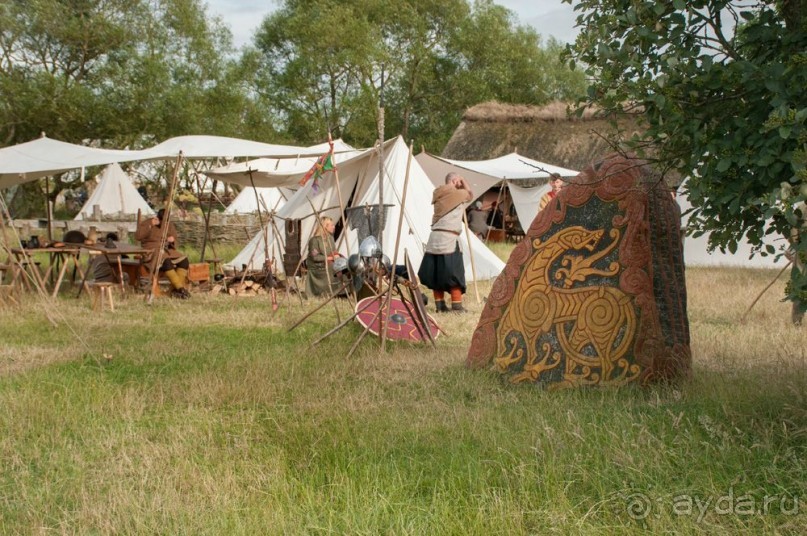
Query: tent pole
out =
(267, 263)
(207, 222)
(471, 254)
(37, 282)
(381, 162)
(206, 215)
(341, 209)
(260, 217)
(282, 254)
(388, 297)
(165, 224)
(47, 209)
(493, 213)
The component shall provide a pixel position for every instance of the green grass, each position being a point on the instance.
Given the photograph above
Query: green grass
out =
(207, 417)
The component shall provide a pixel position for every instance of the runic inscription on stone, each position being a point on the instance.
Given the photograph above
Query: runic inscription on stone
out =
(595, 292)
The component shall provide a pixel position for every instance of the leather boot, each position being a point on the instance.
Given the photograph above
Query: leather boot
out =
(183, 274)
(440, 306)
(456, 307)
(174, 278)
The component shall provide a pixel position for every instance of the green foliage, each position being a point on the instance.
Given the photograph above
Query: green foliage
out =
(721, 86)
(118, 73)
(321, 65)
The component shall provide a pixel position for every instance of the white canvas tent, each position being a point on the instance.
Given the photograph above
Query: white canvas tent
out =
(44, 157)
(696, 251)
(271, 199)
(358, 174)
(513, 169)
(114, 195)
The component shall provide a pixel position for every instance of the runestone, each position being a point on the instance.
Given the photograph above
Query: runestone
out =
(595, 292)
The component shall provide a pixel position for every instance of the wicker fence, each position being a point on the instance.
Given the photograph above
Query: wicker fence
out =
(224, 228)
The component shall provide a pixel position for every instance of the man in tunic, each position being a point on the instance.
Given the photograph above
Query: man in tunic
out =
(170, 261)
(442, 269)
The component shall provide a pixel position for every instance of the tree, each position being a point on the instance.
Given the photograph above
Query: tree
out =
(116, 73)
(721, 86)
(322, 63)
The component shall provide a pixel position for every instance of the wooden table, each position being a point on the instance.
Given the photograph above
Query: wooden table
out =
(57, 256)
(113, 256)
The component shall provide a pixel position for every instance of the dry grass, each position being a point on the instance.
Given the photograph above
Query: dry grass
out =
(210, 417)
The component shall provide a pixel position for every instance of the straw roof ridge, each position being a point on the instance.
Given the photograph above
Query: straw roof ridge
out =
(495, 112)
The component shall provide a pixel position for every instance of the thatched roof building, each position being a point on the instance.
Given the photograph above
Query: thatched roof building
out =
(548, 133)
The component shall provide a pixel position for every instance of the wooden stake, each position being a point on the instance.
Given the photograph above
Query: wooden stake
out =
(165, 223)
(342, 324)
(471, 255)
(764, 290)
(493, 212)
(388, 294)
(317, 308)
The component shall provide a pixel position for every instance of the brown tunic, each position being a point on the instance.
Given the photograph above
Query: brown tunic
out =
(150, 236)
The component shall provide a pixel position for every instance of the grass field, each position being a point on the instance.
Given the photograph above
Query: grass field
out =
(207, 417)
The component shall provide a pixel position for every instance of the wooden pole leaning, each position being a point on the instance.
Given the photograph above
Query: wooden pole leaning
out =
(199, 191)
(165, 223)
(471, 255)
(282, 254)
(37, 281)
(260, 216)
(317, 308)
(6, 247)
(493, 214)
(775, 279)
(388, 293)
(318, 225)
(341, 202)
(342, 324)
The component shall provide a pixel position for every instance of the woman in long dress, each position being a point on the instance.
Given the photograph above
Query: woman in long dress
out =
(321, 254)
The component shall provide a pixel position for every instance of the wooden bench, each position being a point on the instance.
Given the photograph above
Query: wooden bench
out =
(100, 293)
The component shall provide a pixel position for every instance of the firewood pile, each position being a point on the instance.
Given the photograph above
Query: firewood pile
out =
(238, 288)
(253, 283)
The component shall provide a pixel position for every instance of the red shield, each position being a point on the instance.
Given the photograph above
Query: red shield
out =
(402, 323)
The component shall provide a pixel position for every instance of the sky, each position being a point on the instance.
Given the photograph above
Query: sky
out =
(549, 17)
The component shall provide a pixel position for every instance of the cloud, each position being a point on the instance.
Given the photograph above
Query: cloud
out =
(558, 23)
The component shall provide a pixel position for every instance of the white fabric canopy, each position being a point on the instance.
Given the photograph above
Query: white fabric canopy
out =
(114, 195)
(359, 181)
(482, 175)
(43, 157)
(512, 168)
(277, 172)
(527, 201)
(219, 146)
(272, 199)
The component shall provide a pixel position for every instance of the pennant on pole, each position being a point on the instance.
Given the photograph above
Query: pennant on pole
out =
(323, 164)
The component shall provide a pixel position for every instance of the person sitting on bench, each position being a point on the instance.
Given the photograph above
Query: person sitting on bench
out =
(173, 264)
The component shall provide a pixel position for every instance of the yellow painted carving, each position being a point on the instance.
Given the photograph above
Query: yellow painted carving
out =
(598, 317)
